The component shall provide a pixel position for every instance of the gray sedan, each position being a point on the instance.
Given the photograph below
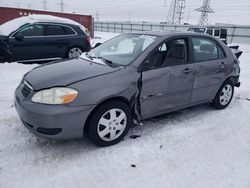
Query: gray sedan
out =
(127, 79)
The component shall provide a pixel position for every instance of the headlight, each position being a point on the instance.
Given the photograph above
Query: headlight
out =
(56, 95)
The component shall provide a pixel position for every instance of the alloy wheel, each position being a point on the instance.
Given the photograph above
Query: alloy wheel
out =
(226, 94)
(112, 124)
(75, 52)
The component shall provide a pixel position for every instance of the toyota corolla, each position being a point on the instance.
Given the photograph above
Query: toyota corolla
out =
(127, 79)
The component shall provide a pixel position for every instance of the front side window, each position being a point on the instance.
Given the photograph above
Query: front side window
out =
(123, 49)
(206, 49)
(32, 30)
(169, 53)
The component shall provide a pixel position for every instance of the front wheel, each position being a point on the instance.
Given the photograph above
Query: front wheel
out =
(224, 95)
(109, 123)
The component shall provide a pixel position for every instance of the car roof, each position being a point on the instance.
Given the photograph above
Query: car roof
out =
(8, 27)
(48, 19)
(169, 34)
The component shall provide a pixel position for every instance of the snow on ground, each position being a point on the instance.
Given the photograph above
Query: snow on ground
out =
(101, 37)
(193, 148)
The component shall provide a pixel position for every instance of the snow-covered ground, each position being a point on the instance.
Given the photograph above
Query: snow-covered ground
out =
(194, 148)
(101, 37)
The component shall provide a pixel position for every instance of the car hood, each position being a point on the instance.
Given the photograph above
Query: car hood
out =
(63, 73)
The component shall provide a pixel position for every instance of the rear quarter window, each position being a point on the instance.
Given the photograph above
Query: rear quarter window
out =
(68, 30)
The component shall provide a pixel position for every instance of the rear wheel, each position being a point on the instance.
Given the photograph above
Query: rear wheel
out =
(224, 95)
(109, 123)
(74, 52)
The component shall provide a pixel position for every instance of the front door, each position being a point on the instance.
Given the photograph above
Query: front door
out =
(31, 46)
(167, 79)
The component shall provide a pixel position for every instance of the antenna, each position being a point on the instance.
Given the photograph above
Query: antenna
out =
(176, 11)
(205, 9)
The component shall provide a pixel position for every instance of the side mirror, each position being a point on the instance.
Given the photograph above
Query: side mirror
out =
(146, 65)
(19, 37)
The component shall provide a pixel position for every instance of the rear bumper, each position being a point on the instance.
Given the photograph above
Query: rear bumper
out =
(57, 122)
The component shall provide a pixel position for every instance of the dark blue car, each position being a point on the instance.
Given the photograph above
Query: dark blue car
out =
(41, 37)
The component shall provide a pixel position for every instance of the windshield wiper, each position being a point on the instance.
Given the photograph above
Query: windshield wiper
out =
(89, 56)
(109, 62)
(106, 60)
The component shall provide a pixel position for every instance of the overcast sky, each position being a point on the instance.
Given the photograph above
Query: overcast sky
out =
(226, 11)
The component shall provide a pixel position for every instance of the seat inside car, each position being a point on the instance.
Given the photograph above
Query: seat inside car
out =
(176, 55)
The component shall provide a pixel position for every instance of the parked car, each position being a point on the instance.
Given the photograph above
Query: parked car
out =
(129, 78)
(43, 37)
(219, 33)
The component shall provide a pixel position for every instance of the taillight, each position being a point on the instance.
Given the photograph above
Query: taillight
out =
(88, 39)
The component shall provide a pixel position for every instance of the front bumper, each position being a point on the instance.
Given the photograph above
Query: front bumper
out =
(57, 122)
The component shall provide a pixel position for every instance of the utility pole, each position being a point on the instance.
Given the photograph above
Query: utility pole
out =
(44, 5)
(188, 16)
(62, 6)
(205, 9)
(97, 15)
(180, 11)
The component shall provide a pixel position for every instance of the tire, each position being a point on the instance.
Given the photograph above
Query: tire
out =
(105, 130)
(74, 52)
(224, 95)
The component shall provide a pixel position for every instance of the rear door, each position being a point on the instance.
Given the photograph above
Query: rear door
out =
(31, 46)
(211, 68)
(167, 78)
(58, 39)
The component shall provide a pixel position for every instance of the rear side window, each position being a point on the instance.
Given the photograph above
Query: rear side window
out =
(52, 30)
(68, 30)
(206, 50)
(32, 31)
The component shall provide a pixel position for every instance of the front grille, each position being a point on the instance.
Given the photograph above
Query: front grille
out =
(25, 89)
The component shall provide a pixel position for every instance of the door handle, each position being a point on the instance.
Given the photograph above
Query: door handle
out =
(187, 70)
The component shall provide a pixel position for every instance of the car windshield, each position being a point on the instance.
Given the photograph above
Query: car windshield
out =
(122, 50)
